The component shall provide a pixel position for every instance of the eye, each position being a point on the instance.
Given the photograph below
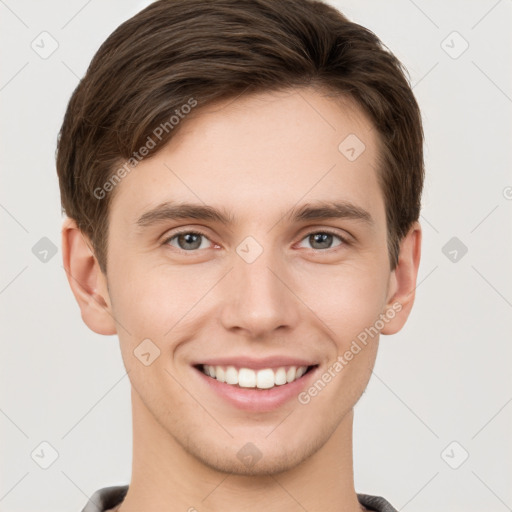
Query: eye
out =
(193, 240)
(323, 240)
(187, 240)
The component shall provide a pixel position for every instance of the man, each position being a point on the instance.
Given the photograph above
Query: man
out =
(242, 183)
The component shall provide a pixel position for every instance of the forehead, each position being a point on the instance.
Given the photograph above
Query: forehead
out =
(260, 154)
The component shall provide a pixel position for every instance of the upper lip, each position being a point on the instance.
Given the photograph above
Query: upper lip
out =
(256, 364)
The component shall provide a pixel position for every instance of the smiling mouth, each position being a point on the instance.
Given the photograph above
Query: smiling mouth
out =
(265, 378)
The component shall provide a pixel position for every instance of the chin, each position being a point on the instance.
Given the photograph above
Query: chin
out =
(257, 457)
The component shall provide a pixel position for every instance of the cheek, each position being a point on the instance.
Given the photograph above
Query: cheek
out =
(346, 298)
(160, 301)
(151, 302)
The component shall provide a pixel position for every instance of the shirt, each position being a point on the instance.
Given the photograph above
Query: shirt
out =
(109, 497)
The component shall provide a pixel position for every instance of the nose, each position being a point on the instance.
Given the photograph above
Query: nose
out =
(259, 298)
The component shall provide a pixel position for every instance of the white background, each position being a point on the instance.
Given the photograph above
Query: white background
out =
(446, 377)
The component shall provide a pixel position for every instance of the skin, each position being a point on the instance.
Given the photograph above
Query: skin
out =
(258, 157)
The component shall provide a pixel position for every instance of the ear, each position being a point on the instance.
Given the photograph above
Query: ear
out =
(87, 281)
(402, 281)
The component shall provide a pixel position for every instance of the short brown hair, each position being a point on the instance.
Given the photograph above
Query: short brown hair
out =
(210, 50)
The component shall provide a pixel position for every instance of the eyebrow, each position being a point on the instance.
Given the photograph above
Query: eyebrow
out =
(307, 212)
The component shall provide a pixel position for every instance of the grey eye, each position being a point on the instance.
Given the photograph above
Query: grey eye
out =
(188, 241)
(322, 240)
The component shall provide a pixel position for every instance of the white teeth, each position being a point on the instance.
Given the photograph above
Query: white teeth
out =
(280, 377)
(265, 379)
(231, 375)
(248, 378)
(220, 374)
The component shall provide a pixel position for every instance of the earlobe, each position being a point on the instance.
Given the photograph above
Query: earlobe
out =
(87, 282)
(403, 281)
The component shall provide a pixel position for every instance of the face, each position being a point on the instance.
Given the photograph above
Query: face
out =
(267, 283)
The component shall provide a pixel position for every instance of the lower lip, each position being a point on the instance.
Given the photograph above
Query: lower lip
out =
(255, 399)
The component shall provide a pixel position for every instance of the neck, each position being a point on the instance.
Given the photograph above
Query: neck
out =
(166, 477)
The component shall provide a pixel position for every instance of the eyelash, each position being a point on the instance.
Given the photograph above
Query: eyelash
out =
(323, 231)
